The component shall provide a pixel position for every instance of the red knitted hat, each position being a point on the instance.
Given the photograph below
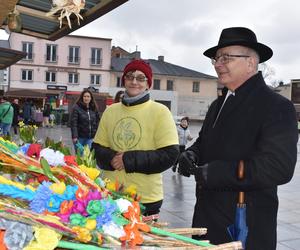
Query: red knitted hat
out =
(141, 66)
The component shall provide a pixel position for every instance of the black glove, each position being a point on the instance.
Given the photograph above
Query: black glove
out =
(188, 165)
(187, 162)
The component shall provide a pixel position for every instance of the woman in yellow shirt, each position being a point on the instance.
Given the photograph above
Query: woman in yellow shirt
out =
(137, 138)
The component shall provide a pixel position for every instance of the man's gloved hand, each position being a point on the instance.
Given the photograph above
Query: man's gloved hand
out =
(187, 163)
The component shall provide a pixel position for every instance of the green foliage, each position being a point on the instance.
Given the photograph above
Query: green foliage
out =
(47, 170)
(87, 158)
(49, 143)
(27, 132)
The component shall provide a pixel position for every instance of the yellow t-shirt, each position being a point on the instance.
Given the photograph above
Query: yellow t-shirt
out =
(147, 126)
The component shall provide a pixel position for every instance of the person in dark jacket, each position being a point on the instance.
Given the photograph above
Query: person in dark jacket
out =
(249, 122)
(26, 112)
(137, 138)
(46, 115)
(15, 122)
(84, 119)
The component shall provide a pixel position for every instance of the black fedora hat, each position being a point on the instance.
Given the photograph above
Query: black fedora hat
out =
(243, 37)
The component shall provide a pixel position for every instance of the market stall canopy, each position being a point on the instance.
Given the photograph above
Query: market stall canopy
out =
(30, 93)
(9, 57)
(33, 21)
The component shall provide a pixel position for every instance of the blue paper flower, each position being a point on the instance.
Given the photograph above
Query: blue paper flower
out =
(53, 205)
(41, 198)
(24, 148)
(110, 207)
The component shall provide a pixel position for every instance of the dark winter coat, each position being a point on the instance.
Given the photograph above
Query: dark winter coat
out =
(84, 122)
(16, 113)
(258, 126)
(47, 110)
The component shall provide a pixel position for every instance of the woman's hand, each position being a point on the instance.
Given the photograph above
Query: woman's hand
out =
(117, 161)
(74, 140)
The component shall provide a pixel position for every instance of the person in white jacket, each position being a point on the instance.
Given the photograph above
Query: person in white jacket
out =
(184, 135)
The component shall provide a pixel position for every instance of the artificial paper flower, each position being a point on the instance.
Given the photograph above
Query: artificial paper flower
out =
(54, 158)
(45, 238)
(70, 160)
(123, 204)
(95, 208)
(54, 203)
(83, 234)
(113, 229)
(41, 198)
(17, 235)
(34, 150)
(93, 195)
(93, 173)
(133, 236)
(58, 188)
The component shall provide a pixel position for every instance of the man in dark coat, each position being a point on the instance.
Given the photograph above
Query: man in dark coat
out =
(249, 122)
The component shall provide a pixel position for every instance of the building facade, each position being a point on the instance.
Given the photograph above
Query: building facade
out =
(71, 63)
(186, 92)
(4, 73)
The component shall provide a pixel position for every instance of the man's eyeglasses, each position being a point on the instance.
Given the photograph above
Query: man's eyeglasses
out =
(224, 59)
(139, 78)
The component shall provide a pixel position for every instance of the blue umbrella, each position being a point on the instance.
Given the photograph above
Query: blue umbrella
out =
(239, 230)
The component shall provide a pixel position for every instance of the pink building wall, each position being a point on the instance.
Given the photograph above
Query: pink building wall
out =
(62, 67)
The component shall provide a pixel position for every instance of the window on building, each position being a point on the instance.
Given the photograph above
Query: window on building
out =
(51, 55)
(196, 86)
(50, 76)
(27, 75)
(28, 48)
(119, 84)
(156, 84)
(96, 56)
(95, 79)
(73, 78)
(73, 55)
(170, 84)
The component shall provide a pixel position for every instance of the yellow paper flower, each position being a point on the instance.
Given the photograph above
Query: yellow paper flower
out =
(93, 173)
(83, 234)
(58, 188)
(45, 238)
(111, 186)
(91, 224)
(131, 190)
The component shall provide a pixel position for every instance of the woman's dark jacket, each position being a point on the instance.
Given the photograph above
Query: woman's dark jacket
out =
(258, 126)
(84, 122)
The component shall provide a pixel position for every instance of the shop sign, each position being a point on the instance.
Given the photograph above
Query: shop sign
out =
(57, 87)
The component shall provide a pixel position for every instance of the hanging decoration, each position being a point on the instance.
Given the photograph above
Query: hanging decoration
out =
(65, 8)
(14, 21)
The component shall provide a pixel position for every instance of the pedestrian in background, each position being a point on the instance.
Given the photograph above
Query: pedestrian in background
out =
(137, 139)
(46, 115)
(6, 116)
(184, 135)
(26, 112)
(84, 119)
(119, 95)
(249, 122)
(15, 122)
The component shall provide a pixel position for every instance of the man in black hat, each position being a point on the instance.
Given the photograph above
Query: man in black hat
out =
(249, 123)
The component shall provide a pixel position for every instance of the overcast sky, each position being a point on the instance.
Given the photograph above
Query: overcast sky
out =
(181, 30)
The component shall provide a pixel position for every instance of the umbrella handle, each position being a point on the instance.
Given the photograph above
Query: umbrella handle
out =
(241, 168)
